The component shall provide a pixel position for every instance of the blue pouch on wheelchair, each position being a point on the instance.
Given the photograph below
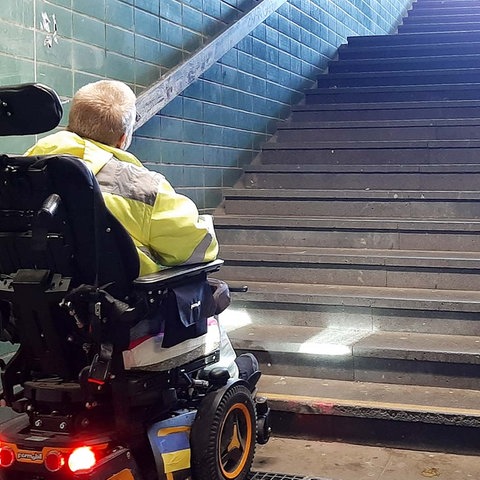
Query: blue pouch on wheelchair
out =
(186, 309)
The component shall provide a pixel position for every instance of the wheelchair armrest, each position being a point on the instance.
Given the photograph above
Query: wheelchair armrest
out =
(171, 275)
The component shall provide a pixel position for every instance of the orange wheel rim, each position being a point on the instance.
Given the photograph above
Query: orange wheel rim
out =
(234, 449)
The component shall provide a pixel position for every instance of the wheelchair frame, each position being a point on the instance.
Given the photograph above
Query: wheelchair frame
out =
(76, 412)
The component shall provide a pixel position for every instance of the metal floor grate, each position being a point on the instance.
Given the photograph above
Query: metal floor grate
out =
(280, 476)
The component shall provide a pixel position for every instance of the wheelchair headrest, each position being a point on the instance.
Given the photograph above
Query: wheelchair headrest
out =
(28, 109)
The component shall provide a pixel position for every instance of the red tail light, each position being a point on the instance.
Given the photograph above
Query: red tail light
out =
(54, 461)
(7, 457)
(81, 458)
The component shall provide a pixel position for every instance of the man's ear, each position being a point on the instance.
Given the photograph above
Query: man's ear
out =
(121, 141)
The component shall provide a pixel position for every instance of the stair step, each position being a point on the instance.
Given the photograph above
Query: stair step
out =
(409, 111)
(347, 51)
(438, 27)
(305, 194)
(430, 405)
(362, 267)
(419, 10)
(448, 18)
(401, 233)
(405, 64)
(458, 129)
(412, 316)
(441, 4)
(443, 169)
(460, 349)
(393, 93)
(439, 122)
(365, 356)
(397, 177)
(413, 38)
(371, 152)
(361, 296)
(415, 77)
(371, 203)
(350, 256)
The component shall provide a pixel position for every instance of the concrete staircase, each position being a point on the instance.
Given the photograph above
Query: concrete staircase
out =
(357, 230)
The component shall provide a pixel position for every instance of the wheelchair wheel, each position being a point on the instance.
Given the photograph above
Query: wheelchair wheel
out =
(223, 438)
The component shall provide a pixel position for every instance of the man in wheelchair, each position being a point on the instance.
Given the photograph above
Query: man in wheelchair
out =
(117, 376)
(165, 226)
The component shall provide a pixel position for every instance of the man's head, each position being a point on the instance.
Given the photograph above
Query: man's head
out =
(104, 111)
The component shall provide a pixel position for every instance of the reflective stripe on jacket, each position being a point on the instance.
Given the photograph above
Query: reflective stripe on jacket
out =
(164, 225)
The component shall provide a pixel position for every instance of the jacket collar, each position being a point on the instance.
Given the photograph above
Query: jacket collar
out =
(94, 154)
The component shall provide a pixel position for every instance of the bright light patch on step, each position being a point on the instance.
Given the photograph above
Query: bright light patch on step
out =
(333, 342)
(233, 318)
(329, 349)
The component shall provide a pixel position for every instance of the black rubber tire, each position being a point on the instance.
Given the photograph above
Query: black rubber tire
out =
(223, 440)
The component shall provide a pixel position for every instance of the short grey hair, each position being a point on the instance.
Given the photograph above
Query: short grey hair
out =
(103, 111)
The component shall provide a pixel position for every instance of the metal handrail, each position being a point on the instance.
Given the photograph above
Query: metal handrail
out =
(152, 100)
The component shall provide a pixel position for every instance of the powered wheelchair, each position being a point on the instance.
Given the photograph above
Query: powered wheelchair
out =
(87, 401)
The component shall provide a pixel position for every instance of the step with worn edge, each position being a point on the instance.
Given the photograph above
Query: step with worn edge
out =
(393, 93)
(348, 51)
(413, 38)
(365, 203)
(372, 152)
(438, 27)
(404, 64)
(447, 76)
(360, 355)
(422, 177)
(372, 297)
(381, 401)
(351, 232)
(394, 130)
(394, 111)
(373, 267)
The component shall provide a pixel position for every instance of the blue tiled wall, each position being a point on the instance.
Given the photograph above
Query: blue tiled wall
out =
(204, 137)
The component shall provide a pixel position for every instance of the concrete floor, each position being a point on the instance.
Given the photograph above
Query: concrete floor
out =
(341, 461)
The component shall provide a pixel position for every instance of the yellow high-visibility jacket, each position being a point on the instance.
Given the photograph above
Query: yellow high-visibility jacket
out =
(164, 225)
